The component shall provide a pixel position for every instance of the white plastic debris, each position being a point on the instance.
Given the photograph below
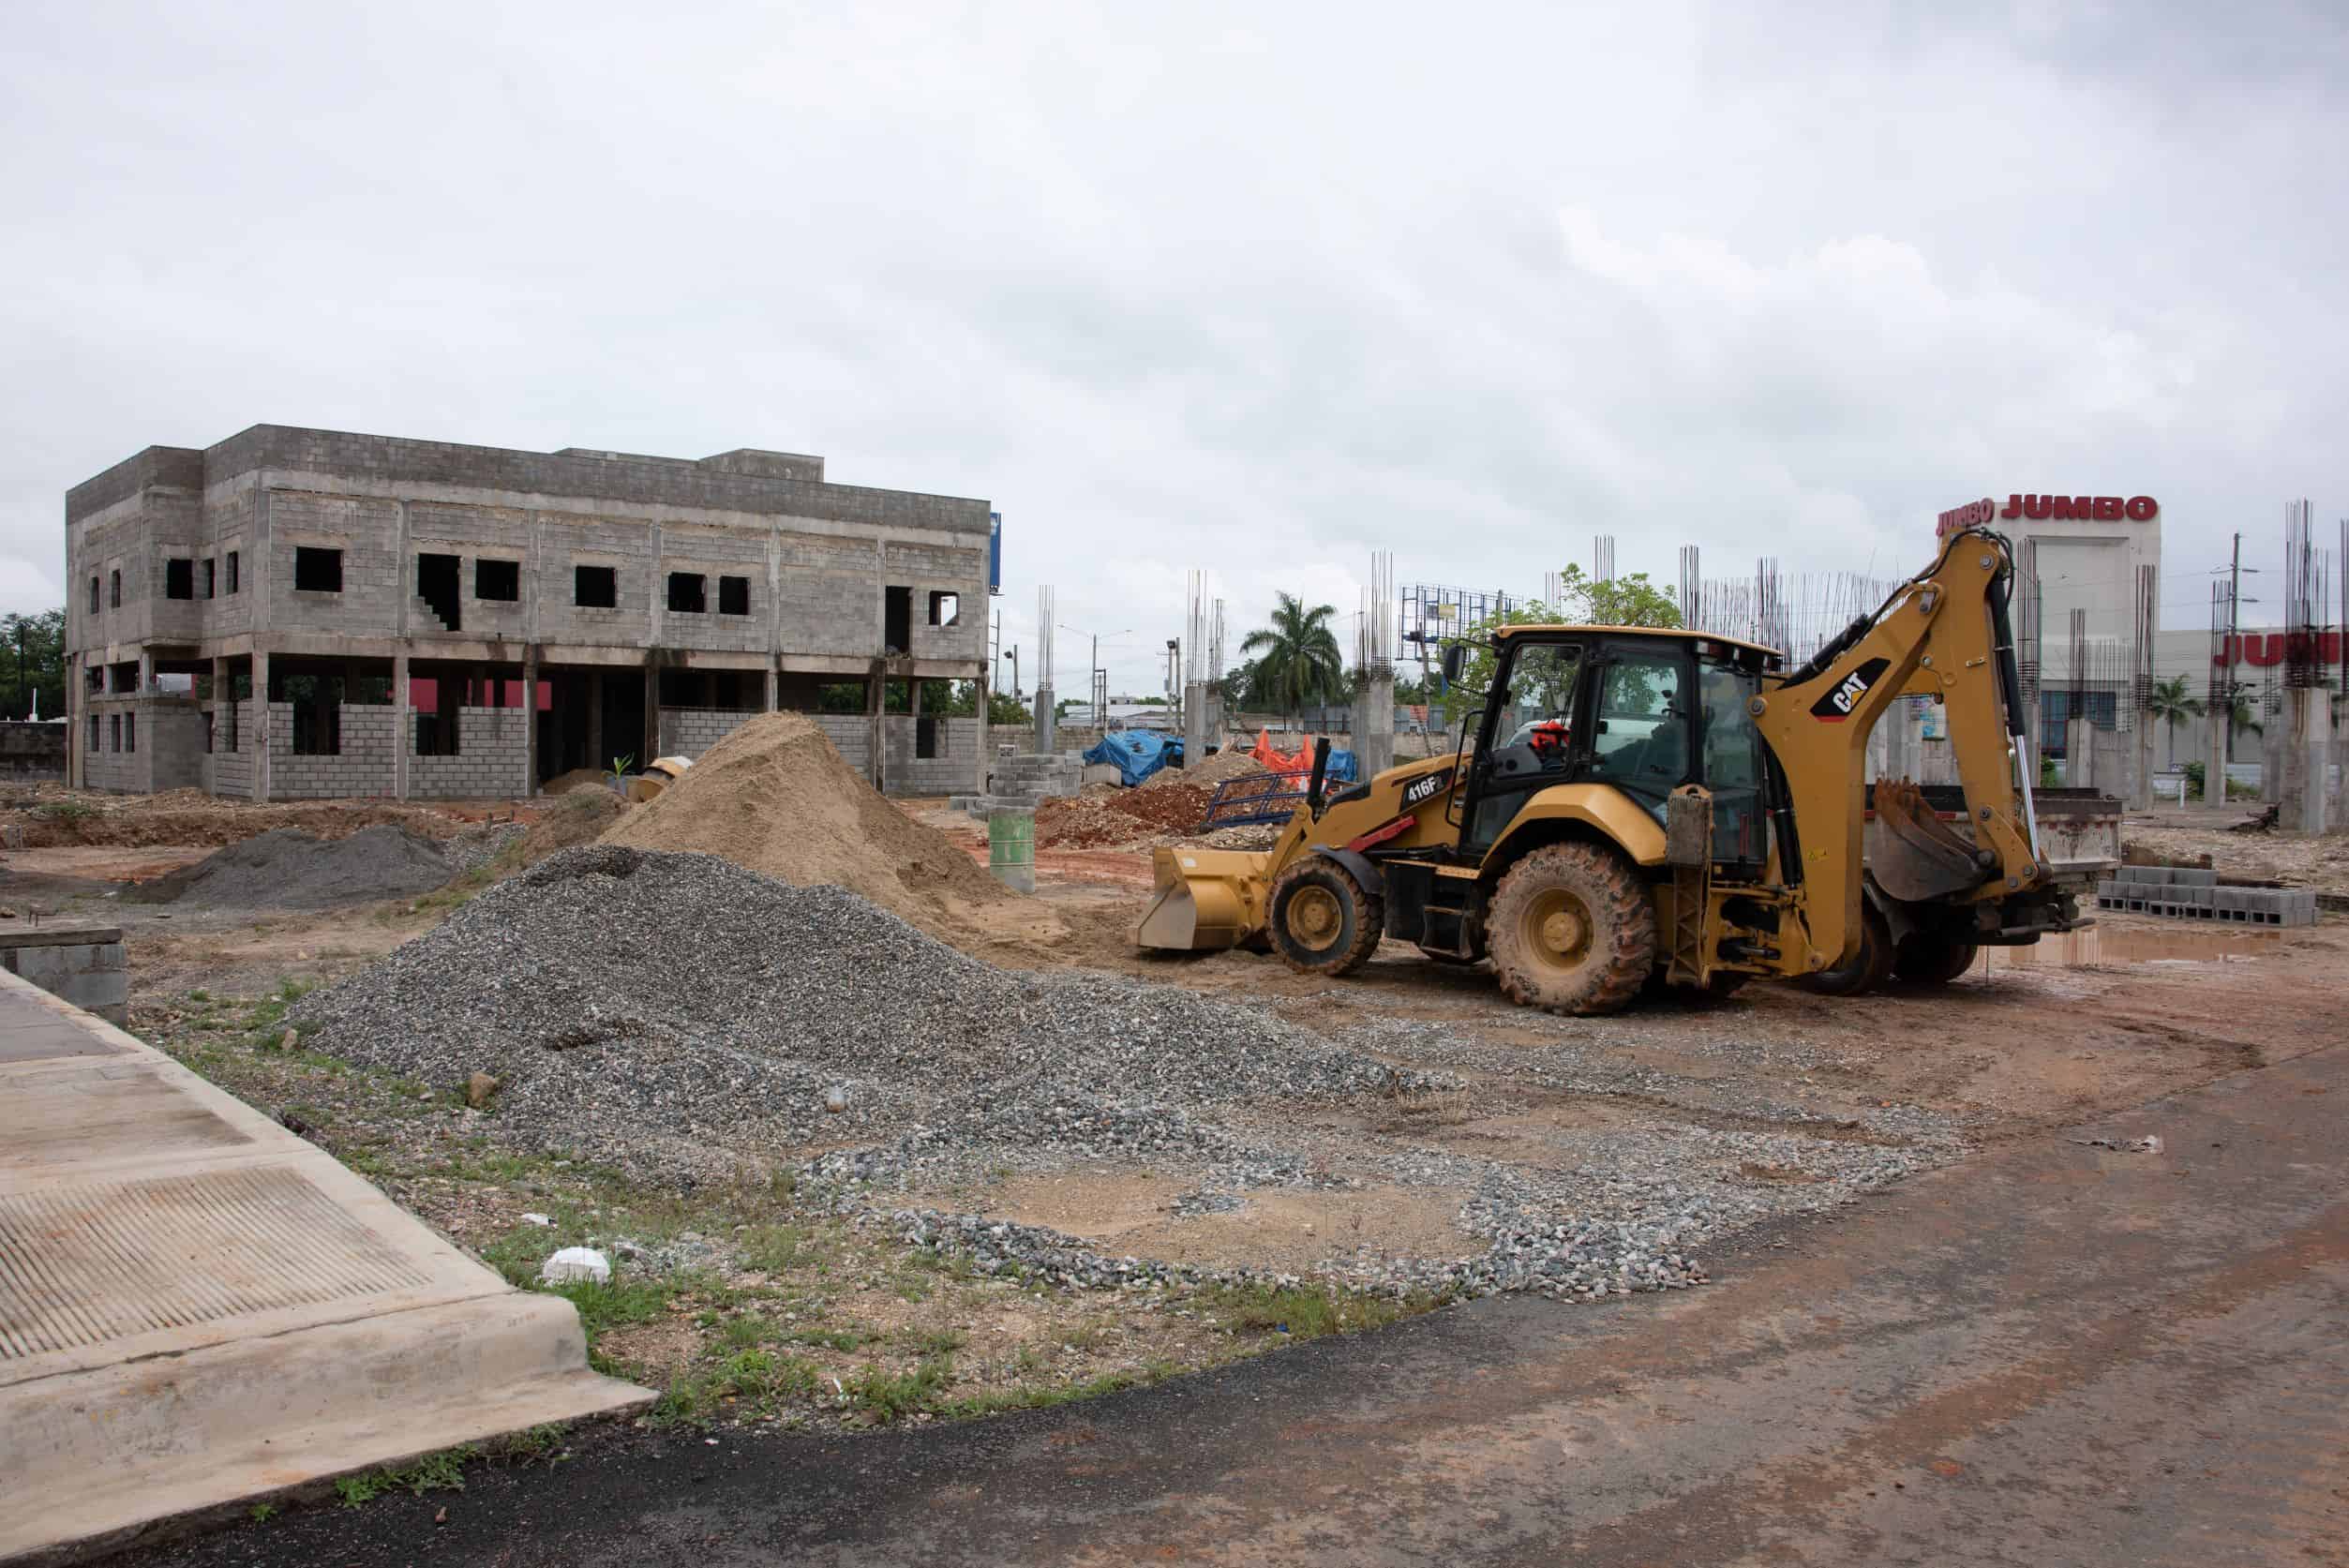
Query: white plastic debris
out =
(537, 1220)
(837, 1099)
(575, 1263)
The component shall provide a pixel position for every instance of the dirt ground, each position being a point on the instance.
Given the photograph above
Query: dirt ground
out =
(2298, 860)
(2111, 1017)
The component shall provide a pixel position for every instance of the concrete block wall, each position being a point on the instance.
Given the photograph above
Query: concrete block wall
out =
(943, 568)
(175, 731)
(88, 968)
(691, 731)
(851, 736)
(362, 767)
(472, 533)
(375, 577)
(229, 770)
(716, 553)
(830, 595)
(952, 770)
(492, 758)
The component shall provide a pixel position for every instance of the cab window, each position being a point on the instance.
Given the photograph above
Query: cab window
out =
(1640, 733)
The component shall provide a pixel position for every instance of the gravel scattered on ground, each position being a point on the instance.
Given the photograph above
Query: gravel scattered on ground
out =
(287, 869)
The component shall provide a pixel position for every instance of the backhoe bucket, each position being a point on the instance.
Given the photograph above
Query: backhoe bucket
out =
(1914, 855)
(1205, 900)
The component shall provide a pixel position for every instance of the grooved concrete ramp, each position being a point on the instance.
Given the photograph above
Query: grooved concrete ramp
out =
(198, 1306)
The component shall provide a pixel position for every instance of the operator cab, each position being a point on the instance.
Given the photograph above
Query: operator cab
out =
(1644, 711)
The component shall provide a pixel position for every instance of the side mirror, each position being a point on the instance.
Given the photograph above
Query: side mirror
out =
(1454, 660)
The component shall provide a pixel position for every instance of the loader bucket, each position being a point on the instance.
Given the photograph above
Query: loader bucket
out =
(1914, 855)
(1203, 900)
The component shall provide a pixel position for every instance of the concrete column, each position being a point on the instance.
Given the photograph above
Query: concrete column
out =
(774, 689)
(1374, 725)
(2214, 765)
(597, 759)
(876, 706)
(262, 725)
(77, 722)
(1045, 722)
(985, 764)
(2141, 766)
(403, 726)
(1194, 722)
(651, 709)
(529, 722)
(2079, 754)
(2310, 711)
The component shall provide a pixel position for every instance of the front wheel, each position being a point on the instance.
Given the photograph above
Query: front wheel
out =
(1323, 921)
(1572, 930)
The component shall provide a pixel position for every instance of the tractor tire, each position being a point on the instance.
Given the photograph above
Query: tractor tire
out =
(1323, 923)
(1865, 970)
(1927, 960)
(1572, 930)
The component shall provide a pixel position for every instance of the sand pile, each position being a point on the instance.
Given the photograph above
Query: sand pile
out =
(284, 869)
(775, 797)
(577, 779)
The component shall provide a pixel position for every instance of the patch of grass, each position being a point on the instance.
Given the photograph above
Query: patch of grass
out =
(65, 811)
(541, 1444)
(886, 1395)
(774, 1248)
(1306, 1311)
(443, 1471)
(1044, 1395)
(618, 1305)
(261, 1512)
(749, 1329)
(932, 1342)
(202, 995)
(834, 1338)
(764, 1378)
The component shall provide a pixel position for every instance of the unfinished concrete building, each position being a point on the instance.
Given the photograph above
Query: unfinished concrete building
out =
(306, 613)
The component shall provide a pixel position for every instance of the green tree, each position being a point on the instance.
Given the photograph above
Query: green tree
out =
(33, 660)
(2170, 701)
(1294, 661)
(1632, 601)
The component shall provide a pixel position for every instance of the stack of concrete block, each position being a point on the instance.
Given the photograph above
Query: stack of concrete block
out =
(2189, 893)
(1022, 781)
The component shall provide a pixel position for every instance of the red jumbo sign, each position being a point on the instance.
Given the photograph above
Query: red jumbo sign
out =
(2269, 648)
(2053, 509)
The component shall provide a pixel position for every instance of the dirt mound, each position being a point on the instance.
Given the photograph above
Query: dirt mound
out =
(187, 817)
(577, 779)
(1170, 813)
(580, 817)
(774, 796)
(284, 869)
(1225, 765)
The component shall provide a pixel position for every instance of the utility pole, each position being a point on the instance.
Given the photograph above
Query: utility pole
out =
(2233, 641)
(1013, 654)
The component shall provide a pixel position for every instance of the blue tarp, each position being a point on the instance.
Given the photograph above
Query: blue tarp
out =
(1136, 753)
(1342, 766)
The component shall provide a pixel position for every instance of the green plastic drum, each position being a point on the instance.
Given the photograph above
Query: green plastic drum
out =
(1011, 849)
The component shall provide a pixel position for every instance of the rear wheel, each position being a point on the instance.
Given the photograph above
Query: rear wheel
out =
(1572, 930)
(1323, 921)
(1863, 971)
(1927, 959)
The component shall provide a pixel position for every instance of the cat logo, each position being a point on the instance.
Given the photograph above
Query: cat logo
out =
(1425, 787)
(1836, 706)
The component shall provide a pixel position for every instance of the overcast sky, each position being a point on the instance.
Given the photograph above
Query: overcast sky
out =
(1257, 288)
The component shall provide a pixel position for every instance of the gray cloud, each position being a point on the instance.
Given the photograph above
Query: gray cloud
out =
(1255, 290)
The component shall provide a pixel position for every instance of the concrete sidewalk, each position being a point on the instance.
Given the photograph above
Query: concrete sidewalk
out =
(198, 1307)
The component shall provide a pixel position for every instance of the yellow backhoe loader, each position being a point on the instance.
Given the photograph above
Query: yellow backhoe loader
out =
(1639, 807)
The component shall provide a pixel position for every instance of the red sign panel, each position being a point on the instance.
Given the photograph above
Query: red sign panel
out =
(2051, 509)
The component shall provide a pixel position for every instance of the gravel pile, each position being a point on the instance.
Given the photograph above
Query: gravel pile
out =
(678, 1014)
(288, 869)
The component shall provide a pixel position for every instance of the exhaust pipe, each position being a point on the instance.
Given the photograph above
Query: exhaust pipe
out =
(1321, 771)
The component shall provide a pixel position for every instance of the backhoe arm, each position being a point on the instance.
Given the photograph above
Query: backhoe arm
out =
(1945, 631)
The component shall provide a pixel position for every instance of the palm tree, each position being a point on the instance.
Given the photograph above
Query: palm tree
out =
(2169, 701)
(1296, 660)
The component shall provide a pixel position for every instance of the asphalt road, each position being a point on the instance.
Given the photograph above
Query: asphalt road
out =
(2052, 1354)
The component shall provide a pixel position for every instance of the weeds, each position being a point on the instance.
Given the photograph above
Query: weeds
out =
(443, 1471)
